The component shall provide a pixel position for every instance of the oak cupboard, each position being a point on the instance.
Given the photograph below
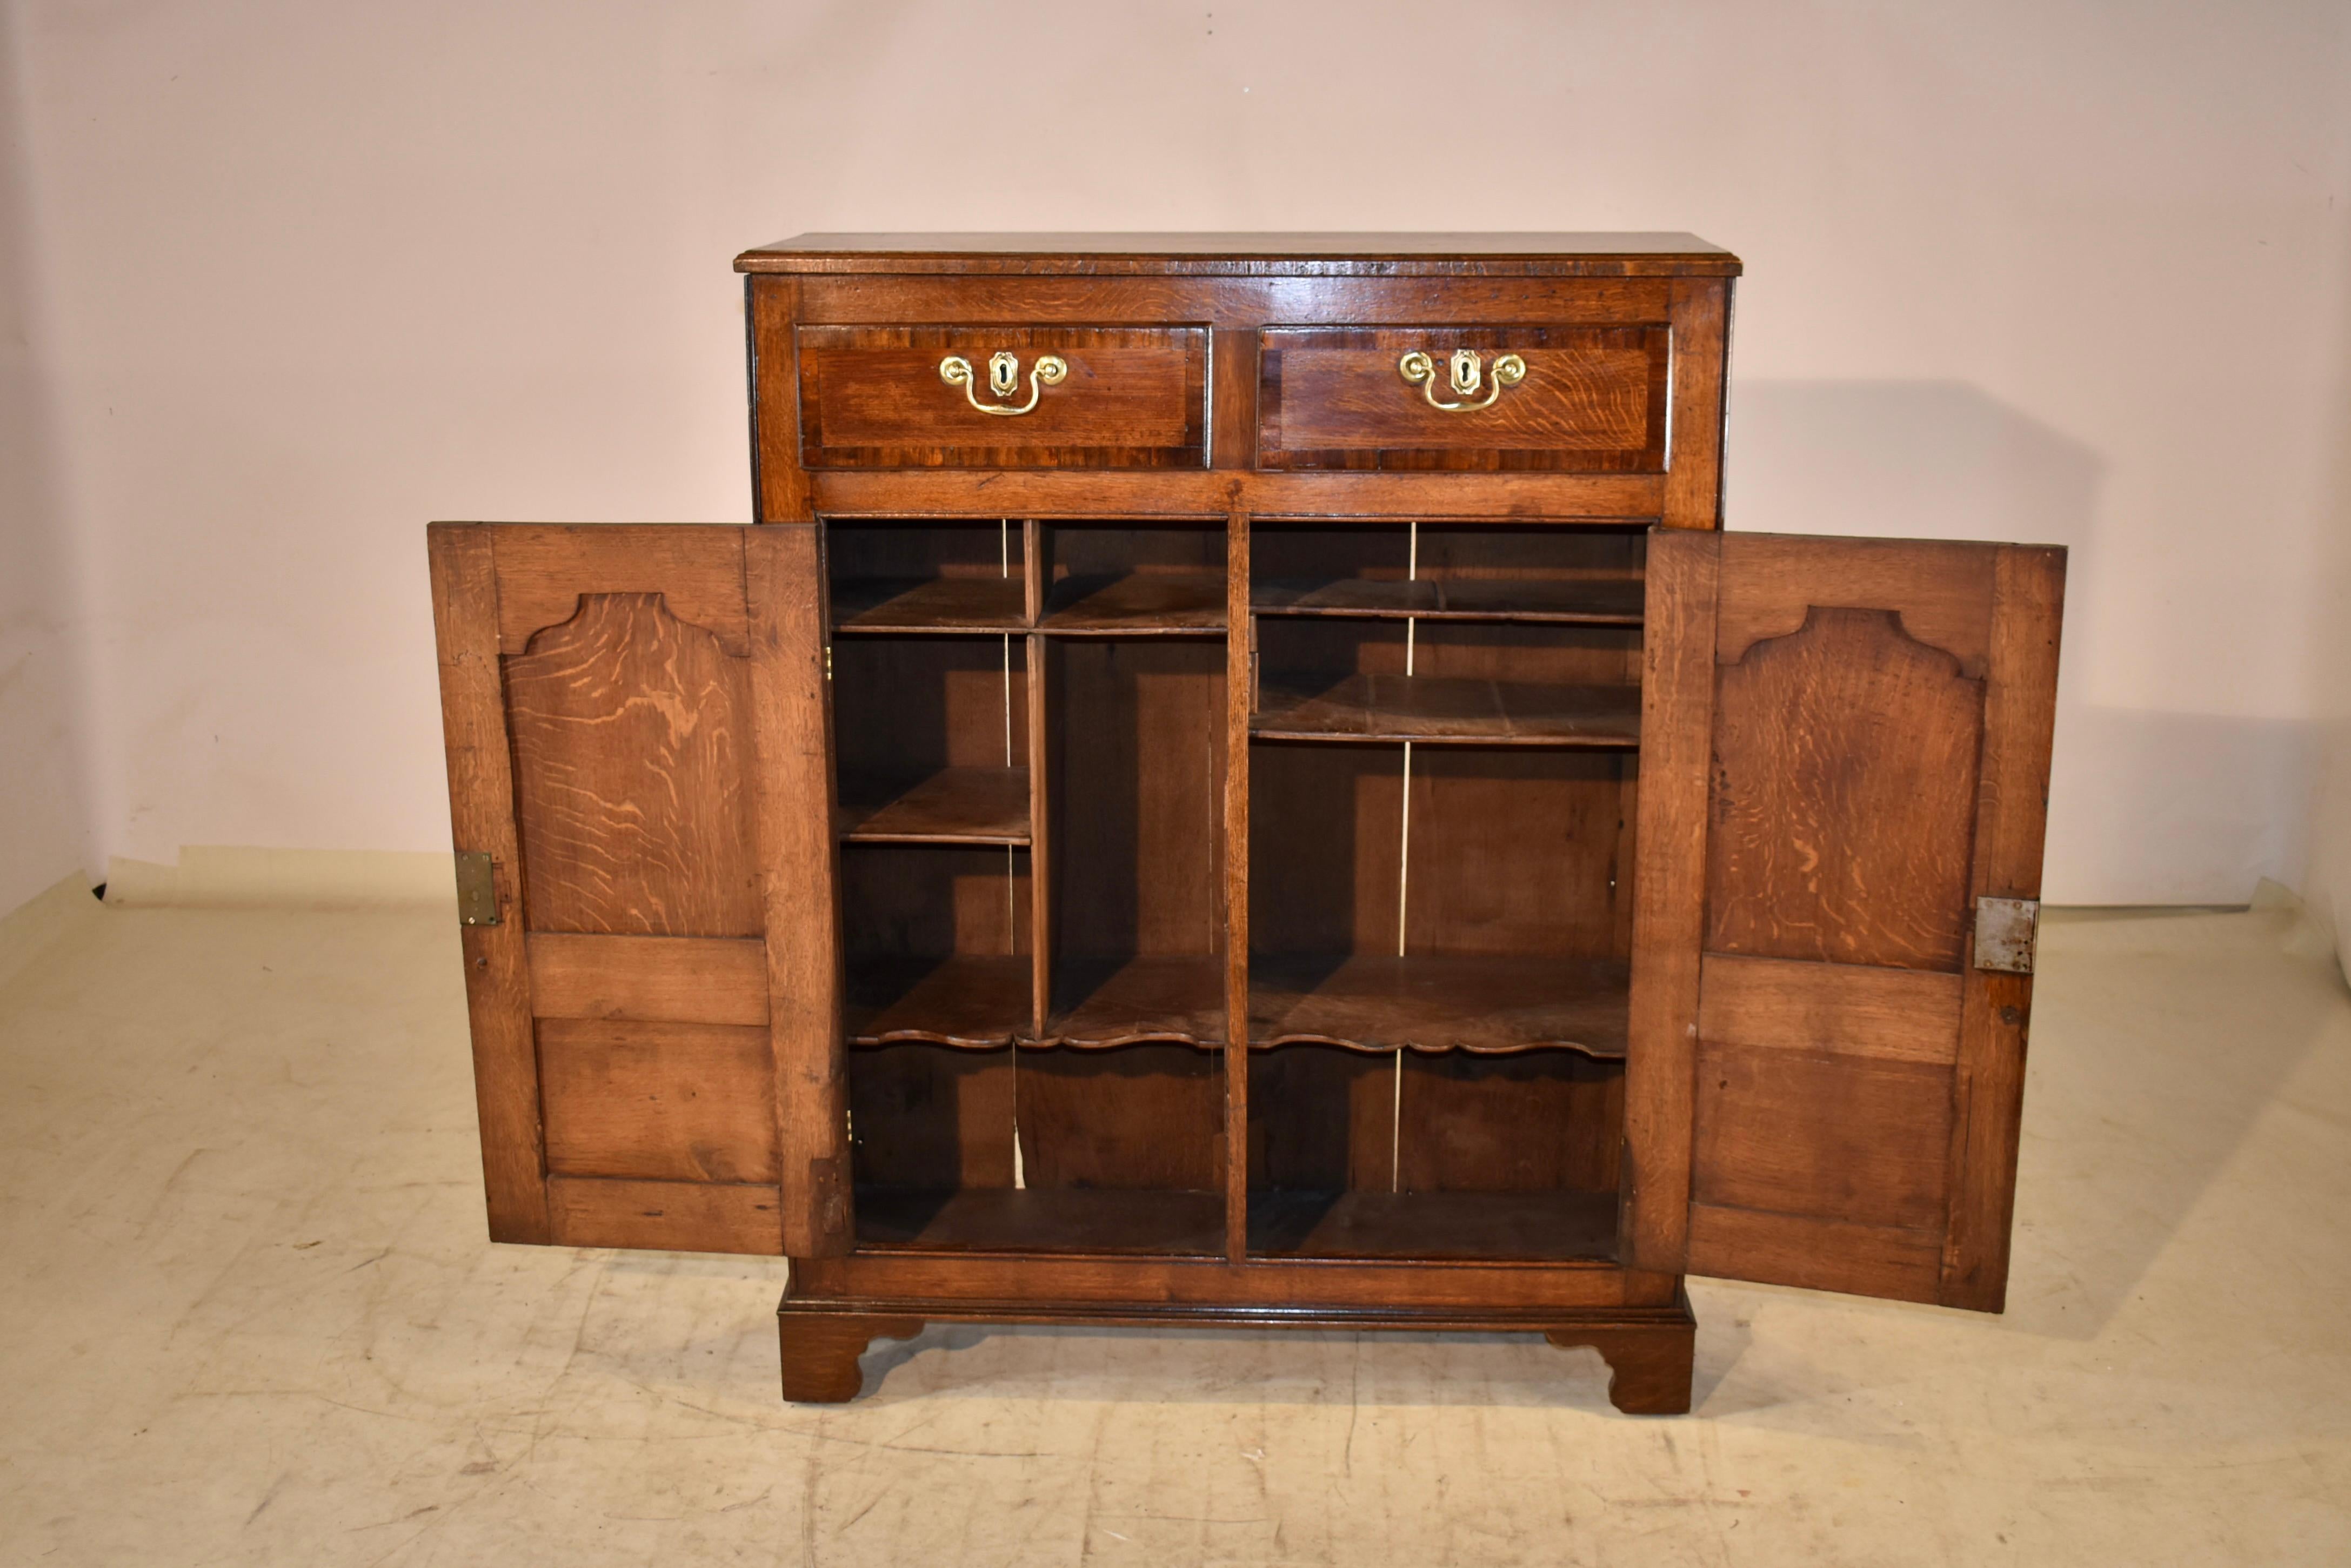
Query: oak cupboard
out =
(1237, 780)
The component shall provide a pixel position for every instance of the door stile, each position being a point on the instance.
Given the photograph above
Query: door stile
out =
(792, 761)
(1670, 895)
(482, 813)
(2020, 720)
(1240, 667)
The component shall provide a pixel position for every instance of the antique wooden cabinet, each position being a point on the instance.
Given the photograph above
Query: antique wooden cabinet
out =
(1236, 781)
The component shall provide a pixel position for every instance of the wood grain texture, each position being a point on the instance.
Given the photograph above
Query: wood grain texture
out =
(1232, 395)
(670, 1102)
(1668, 894)
(1828, 1136)
(1941, 591)
(663, 1216)
(544, 568)
(1237, 304)
(678, 980)
(792, 807)
(1440, 708)
(1288, 255)
(820, 1353)
(1440, 1003)
(2020, 715)
(1594, 400)
(954, 805)
(1892, 1014)
(995, 1287)
(1842, 806)
(1544, 1122)
(1648, 1364)
(481, 818)
(631, 755)
(1538, 498)
(1819, 1254)
(779, 485)
(1700, 314)
(872, 397)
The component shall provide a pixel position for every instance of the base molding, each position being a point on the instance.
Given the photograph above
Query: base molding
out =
(1648, 1349)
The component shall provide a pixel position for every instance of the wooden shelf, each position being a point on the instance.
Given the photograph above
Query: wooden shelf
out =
(1611, 602)
(1141, 604)
(1451, 709)
(1429, 1003)
(1041, 1220)
(1546, 1227)
(954, 805)
(1153, 998)
(966, 1000)
(937, 606)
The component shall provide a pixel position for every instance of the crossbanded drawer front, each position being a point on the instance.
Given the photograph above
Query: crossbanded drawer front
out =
(1003, 397)
(1562, 399)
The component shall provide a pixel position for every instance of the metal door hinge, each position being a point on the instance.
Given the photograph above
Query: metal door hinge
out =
(827, 661)
(2007, 930)
(477, 891)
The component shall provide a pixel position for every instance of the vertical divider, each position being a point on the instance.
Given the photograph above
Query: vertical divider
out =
(1240, 670)
(1040, 754)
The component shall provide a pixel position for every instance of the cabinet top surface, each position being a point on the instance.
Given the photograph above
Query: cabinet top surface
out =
(1250, 254)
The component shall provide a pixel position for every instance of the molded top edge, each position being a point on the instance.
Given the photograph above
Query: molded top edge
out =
(1251, 255)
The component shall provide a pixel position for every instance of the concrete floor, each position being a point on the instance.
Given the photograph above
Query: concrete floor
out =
(251, 1318)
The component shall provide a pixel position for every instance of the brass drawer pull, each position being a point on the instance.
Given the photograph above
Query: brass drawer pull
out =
(1003, 377)
(1466, 372)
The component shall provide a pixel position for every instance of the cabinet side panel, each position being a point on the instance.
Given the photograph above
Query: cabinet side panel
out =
(481, 815)
(1701, 312)
(2020, 718)
(793, 806)
(780, 483)
(1668, 894)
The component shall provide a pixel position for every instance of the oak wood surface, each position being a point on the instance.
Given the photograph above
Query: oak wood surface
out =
(1234, 307)
(1434, 1225)
(665, 1216)
(792, 807)
(1669, 904)
(1437, 708)
(1834, 1122)
(675, 1102)
(1133, 397)
(1700, 315)
(677, 979)
(1425, 598)
(954, 605)
(481, 815)
(1240, 699)
(954, 805)
(1168, 1222)
(631, 764)
(1844, 797)
(1535, 498)
(2019, 717)
(1592, 400)
(1291, 253)
(1426, 1001)
(820, 1353)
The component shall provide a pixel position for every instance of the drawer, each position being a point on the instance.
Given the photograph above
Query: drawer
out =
(1003, 397)
(1566, 400)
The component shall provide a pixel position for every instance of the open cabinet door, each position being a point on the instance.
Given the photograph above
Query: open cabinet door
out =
(1844, 765)
(642, 808)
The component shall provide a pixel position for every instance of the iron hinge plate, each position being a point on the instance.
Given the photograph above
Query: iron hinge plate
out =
(2007, 930)
(478, 890)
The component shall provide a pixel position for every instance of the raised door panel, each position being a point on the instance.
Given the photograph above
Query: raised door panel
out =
(638, 744)
(1845, 746)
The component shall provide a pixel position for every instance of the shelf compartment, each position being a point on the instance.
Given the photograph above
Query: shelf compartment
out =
(1603, 602)
(942, 606)
(1481, 1004)
(1541, 1226)
(1137, 604)
(1130, 1222)
(954, 805)
(1430, 708)
(968, 1000)
(1175, 997)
